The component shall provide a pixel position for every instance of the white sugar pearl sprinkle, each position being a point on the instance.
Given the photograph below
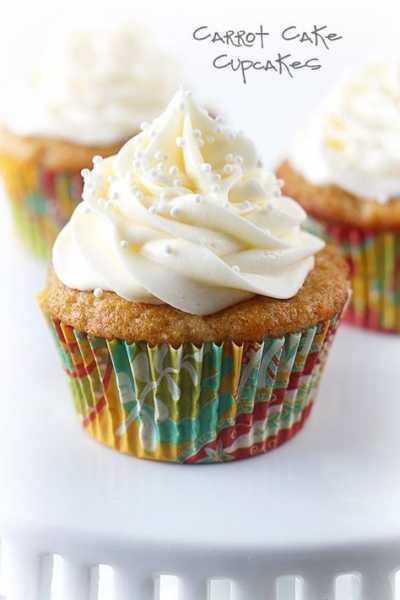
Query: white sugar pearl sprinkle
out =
(228, 169)
(229, 157)
(96, 160)
(215, 188)
(152, 210)
(239, 159)
(197, 133)
(197, 198)
(180, 142)
(137, 163)
(236, 268)
(177, 182)
(174, 212)
(138, 194)
(160, 155)
(173, 170)
(123, 244)
(205, 168)
(98, 292)
(85, 173)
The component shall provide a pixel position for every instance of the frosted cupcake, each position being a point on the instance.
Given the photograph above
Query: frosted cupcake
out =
(192, 312)
(89, 93)
(344, 169)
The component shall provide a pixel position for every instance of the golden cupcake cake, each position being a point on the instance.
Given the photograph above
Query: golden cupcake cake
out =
(192, 312)
(88, 94)
(344, 169)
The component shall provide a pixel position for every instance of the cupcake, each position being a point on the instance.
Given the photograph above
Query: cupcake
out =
(344, 169)
(89, 93)
(192, 312)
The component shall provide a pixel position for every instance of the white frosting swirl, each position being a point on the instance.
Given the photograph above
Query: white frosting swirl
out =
(185, 215)
(93, 85)
(353, 141)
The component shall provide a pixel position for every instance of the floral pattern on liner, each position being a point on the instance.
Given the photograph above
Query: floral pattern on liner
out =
(207, 404)
(41, 201)
(374, 260)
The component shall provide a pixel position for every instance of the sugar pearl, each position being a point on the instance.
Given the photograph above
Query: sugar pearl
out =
(180, 142)
(228, 169)
(98, 292)
(205, 168)
(96, 160)
(123, 244)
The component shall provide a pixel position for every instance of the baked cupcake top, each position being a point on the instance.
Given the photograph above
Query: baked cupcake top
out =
(92, 86)
(353, 139)
(185, 215)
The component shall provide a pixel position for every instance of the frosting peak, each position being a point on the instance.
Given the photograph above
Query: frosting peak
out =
(185, 215)
(353, 140)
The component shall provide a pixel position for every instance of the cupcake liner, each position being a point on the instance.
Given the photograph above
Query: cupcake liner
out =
(194, 404)
(374, 260)
(41, 200)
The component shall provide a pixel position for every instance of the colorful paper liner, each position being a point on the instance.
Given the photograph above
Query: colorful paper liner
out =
(374, 260)
(194, 404)
(42, 201)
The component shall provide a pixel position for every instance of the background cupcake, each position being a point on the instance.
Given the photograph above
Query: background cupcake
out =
(88, 93)
(344, 169)
(192, 312)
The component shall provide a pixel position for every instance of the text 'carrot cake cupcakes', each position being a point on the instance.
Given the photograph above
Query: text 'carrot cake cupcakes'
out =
(344, 169)
(192, 312)
(89, 93)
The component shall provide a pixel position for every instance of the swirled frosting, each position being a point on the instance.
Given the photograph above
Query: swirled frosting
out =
(93, 85)
(353, 140)
(185, 215)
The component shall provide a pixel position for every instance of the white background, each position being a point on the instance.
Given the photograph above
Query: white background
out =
(269, 107)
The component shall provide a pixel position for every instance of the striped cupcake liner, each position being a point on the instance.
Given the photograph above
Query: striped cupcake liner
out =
(374, 260)
(41, 201)
(194, 404)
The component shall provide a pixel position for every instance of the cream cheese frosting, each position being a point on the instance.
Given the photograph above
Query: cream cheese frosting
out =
(93, 85)
(353, 140)
(185, 215)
